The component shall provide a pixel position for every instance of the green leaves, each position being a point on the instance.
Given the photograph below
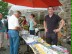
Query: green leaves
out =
(3, 8)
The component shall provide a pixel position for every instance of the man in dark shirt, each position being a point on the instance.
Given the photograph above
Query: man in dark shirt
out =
(51, 26)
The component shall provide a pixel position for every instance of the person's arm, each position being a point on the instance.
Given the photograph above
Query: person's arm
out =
(60, 26)
(17, 28)
(34, 23)
(17, 25)
(45, 26)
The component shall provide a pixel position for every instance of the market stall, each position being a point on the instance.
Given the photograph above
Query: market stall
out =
(39, 46)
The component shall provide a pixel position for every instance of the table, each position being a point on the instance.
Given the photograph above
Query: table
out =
(35, 44)
(39, 46)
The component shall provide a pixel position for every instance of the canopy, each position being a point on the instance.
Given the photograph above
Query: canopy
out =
(35, 3)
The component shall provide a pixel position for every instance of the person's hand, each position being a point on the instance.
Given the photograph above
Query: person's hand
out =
(56, 30)
(18, 28)
(21, 28)
(46, 30)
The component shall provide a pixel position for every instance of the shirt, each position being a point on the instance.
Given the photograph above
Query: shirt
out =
(13, 22)
(52, 22)
(24, 22)
(31, 23)
(2, 25)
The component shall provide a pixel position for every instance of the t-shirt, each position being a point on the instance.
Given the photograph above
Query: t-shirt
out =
(13, 22)
(52, 22)
(31, 23)
(2, 25)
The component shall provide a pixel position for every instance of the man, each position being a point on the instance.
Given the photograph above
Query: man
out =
(52, 27)
(13, 26)
(2, 32)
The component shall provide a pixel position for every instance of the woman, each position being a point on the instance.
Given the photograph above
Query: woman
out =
(32, 24)
(24, 21)
(2, 32)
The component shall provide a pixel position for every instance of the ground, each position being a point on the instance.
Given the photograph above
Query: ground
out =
(21, 51)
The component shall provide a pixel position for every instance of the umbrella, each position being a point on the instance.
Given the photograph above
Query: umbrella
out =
(25, 9)
(17, 7)
(35, 3)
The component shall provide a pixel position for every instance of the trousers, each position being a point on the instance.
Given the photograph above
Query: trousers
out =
(51, 38)
(14, 41)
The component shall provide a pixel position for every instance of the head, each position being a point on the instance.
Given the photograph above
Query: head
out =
(32, 16)
(24, 17)
(1, 15)
(50, 10)
(17, 14)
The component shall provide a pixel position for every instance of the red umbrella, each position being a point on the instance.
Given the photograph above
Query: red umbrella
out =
(35, 3)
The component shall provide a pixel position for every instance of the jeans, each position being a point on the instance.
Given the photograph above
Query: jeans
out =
(51, 38)
(14, 41)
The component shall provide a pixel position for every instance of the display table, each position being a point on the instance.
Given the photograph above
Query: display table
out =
(39, 46)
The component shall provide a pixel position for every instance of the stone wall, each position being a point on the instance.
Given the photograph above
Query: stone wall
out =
(66, 15)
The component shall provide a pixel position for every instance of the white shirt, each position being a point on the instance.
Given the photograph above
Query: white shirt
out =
(13, 22)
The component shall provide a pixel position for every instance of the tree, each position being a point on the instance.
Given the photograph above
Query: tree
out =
(3, 8)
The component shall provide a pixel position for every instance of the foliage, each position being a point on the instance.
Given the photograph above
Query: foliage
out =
(3, 8)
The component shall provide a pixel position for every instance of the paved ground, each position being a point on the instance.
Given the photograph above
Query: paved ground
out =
(7, 48)
(21, 51)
